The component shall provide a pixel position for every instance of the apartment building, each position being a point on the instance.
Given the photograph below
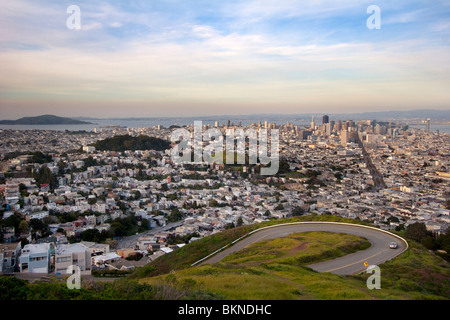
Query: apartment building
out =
(9, 254)
(35, 258)
(75, 254)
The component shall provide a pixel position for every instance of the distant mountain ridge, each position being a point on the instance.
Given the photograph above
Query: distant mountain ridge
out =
(43, 120)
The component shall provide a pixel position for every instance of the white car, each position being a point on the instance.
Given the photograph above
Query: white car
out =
(393, 245)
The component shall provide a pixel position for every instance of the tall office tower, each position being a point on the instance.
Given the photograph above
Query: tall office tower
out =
(328, 129)
(339, 126)
(428, 125)
(313, 124)
(344, 137)
(228, 123)
(266, 124)
(325, 119)
(216, 124)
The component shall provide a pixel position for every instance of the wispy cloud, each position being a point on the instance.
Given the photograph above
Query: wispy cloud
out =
(238, 53)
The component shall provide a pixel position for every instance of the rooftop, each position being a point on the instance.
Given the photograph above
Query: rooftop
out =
(63, 249)
(35, 248)
(8, 246)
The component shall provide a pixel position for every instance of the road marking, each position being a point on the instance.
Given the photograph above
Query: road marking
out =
(356, 262)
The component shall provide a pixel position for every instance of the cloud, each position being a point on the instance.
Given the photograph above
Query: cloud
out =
(159, 55)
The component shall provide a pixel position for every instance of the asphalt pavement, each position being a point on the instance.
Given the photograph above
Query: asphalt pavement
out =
(378, 253)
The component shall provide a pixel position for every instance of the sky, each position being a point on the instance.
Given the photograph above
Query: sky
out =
(186, 58)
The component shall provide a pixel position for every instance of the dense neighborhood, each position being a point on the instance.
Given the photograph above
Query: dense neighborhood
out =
(64, 202)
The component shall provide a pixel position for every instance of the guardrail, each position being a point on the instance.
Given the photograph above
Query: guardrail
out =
(295, 223)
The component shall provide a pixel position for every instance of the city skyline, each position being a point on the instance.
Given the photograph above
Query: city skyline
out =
(166, 59)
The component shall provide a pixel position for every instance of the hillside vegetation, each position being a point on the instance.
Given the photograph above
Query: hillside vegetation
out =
(187, 255)
(127, 142)
(277, 269)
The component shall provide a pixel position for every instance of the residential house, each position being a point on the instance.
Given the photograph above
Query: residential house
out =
(35, 258)
(9, 254)
(75, 254)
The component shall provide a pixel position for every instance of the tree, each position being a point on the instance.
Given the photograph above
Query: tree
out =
(45, 176)
(175, 215)
(239, 222)
(137, 195)
(393, 219)
(90, 235)
(23, 190)
(12, 288)
(23, 227)
(283, 167)
(416, 231)
(297, 211)
(213, 203)
(229, 226)
(37, 224)
(62, 165)
(427, 242)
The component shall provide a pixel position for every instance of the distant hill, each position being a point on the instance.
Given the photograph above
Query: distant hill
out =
(43, 120)
(127, 142)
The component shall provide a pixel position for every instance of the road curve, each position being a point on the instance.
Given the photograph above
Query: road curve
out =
(378, 253)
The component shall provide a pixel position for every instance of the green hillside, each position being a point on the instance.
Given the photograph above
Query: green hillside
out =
(127, 142)
(276, 269)
(189, 254)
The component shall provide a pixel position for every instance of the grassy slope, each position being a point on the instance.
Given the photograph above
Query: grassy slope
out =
(187, 255)
(275, 269)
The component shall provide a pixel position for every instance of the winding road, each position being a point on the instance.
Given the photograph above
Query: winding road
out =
(378, 253)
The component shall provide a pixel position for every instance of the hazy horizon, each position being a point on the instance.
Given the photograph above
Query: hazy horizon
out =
(435, 114)
(203, 58)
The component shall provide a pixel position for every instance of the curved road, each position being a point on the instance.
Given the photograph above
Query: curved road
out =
(378, 253)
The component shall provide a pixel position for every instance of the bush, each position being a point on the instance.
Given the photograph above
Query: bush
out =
(12, 288)
(416, 231)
